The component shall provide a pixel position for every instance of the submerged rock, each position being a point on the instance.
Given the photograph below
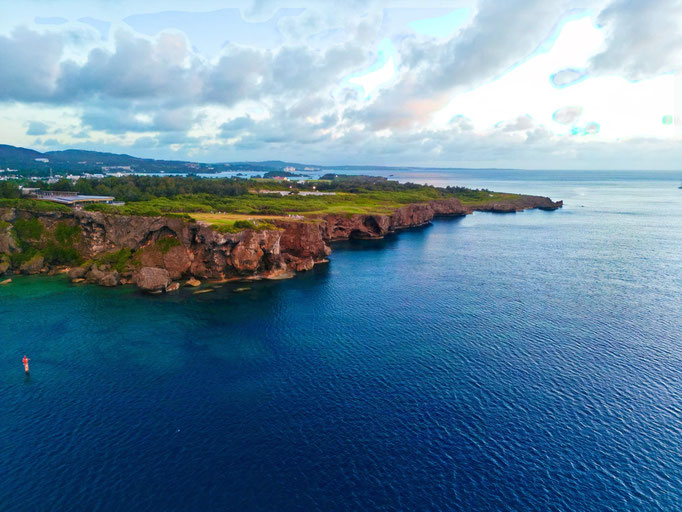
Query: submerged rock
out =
(6, 281)
(192, 282)
(151, 279)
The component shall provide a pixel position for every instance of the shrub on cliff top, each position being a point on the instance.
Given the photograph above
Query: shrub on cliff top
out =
(241, 225)
(33, 205)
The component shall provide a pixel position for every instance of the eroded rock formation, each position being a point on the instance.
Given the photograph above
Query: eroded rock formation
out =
(155, 251)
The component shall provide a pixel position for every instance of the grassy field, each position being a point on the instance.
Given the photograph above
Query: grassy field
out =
(480, 198)
(224, 202)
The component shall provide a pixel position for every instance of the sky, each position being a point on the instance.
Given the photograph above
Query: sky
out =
(536, 84)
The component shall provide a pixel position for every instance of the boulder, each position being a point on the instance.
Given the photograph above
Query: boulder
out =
(152, 279)
(109, 279)
(177, 261)
(193, 282)
(173, 287)
(77, 273)
(32, 266)
(304, 264)
(6, 281)
(102, 277)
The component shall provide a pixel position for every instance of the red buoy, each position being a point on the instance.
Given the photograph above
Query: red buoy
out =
(25, 360)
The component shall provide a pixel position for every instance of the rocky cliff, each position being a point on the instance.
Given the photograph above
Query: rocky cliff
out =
(122, 249)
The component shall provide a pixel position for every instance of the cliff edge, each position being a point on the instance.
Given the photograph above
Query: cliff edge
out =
(114, 249)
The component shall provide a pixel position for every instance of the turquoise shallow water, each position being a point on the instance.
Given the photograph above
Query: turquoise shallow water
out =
(496, 362)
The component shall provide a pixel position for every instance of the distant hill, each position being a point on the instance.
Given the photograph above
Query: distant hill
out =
(29, 162)
(77, 161)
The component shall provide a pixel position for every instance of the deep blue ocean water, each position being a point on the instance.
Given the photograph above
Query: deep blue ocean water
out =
(525, 362)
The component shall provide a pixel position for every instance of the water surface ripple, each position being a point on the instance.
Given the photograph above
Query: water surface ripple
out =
(526, 362)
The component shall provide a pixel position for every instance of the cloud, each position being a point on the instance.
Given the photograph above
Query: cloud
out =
(567, 115)
(644, 38)
(37, 128)
(521, 123)
(101, 26)
(138, 68)
(30, 65)
(272, 82)
(567, 77)
(501, 35)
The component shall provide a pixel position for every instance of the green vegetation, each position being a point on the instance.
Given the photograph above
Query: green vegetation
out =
(28, 229)
(224, 199)
(9, 190)
(165, 244)
(66, 234)
(144, 209)
(58, 247)
(33, 205)
(57, 254)
(477, 197)
(62, 250)
(117, 260)
(235, 226)
(19, 258)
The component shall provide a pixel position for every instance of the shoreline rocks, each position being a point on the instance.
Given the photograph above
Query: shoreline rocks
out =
(152, 279)
(156, 252)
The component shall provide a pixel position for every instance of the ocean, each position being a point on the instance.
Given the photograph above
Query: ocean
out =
(520, 362)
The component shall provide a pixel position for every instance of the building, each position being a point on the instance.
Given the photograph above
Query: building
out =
(67, 198)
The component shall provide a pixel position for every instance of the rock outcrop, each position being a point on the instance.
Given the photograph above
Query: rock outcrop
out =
(152, 279)
(32, 266)
(160, 250)
(4, 264)
(102, 277)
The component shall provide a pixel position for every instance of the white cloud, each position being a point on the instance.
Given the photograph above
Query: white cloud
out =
(447, 83)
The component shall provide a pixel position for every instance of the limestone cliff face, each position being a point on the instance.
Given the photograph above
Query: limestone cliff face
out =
(186, 250)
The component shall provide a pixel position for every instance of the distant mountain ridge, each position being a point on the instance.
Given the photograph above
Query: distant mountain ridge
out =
(77, 161)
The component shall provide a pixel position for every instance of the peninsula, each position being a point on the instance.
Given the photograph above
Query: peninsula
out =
(163, 230)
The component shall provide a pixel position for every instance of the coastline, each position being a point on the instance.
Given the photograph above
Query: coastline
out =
(157, 253)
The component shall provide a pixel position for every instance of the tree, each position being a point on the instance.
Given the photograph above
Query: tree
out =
(9, 190)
